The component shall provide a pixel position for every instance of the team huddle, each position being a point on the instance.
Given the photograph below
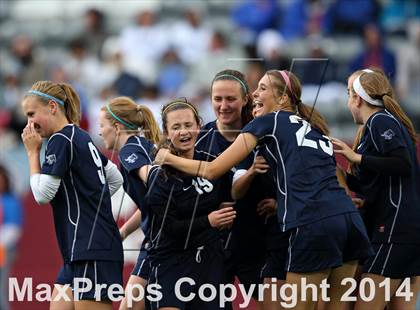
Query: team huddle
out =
(255, 195)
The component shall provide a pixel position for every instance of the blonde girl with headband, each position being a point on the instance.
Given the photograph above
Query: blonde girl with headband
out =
(131, 130)
(327, 234)
(188, 214)
(386, 172)
(78, 181)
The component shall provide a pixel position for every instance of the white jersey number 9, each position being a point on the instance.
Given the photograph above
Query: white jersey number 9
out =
(98, 162)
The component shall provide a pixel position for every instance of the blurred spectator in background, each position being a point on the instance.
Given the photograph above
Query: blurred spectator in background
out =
(351, 16)
(172, 74)
(317, 67)
(151, 98)
(396, 13)
(301, 17)
(114, 73)
(13, 121)
(190, 37)
(143, 45)
(253, 74)
(375, 53)
(219, 56)
(10, 230)
(83, 68)
(270, 47)
(408, 77)
(28, 63)
(94, 33)
(252, 17)
(57, 74)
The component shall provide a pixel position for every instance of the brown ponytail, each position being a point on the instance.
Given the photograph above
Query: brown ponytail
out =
(133, 116)
(72, 105)
(65, 93)
(311, 115)
(395, 109)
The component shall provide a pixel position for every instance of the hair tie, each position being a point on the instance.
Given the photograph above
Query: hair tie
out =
(44, 95)
(129, 125)
(358, 88)
(245, 88)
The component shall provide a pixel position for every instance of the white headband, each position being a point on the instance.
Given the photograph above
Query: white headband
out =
(358, 88)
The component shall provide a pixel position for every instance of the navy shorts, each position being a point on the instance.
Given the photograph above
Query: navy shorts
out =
(142, 267)
(205, 266)
(394, 260)
(275, 264)
(247, 270)
(97, 271)
(328, 243)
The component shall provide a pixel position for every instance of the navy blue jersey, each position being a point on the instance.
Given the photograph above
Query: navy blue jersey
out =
(180, 206)
(304, 169)
(84, 223)
(395, 200)
(136, 153)
(264, 231)
(210, 141)
(210, 144)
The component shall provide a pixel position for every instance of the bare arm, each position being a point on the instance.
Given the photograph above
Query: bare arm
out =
(241, 184)
(131, 225)
(240, 148)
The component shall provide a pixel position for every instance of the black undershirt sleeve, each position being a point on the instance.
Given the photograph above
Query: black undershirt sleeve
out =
(396, 162)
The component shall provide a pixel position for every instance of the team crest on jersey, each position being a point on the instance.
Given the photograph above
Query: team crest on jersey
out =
(388, 134)
(50, 159)
(131, 159)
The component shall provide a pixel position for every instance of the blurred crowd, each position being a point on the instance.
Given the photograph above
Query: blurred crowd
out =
(155, 57)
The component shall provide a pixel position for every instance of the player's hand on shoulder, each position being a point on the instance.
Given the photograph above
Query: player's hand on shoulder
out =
(31, 138)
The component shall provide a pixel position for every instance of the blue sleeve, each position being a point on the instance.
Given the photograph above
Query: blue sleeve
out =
(58, 156)
(387, 134)
(12, 210)
(247, 162)
(260, 126)
(133, 157)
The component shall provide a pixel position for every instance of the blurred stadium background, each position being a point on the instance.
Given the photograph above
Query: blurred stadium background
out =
(154, 51)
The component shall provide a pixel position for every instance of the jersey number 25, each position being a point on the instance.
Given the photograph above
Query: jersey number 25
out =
(304, 129)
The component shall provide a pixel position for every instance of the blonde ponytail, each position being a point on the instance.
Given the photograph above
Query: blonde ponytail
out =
(149, 124)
